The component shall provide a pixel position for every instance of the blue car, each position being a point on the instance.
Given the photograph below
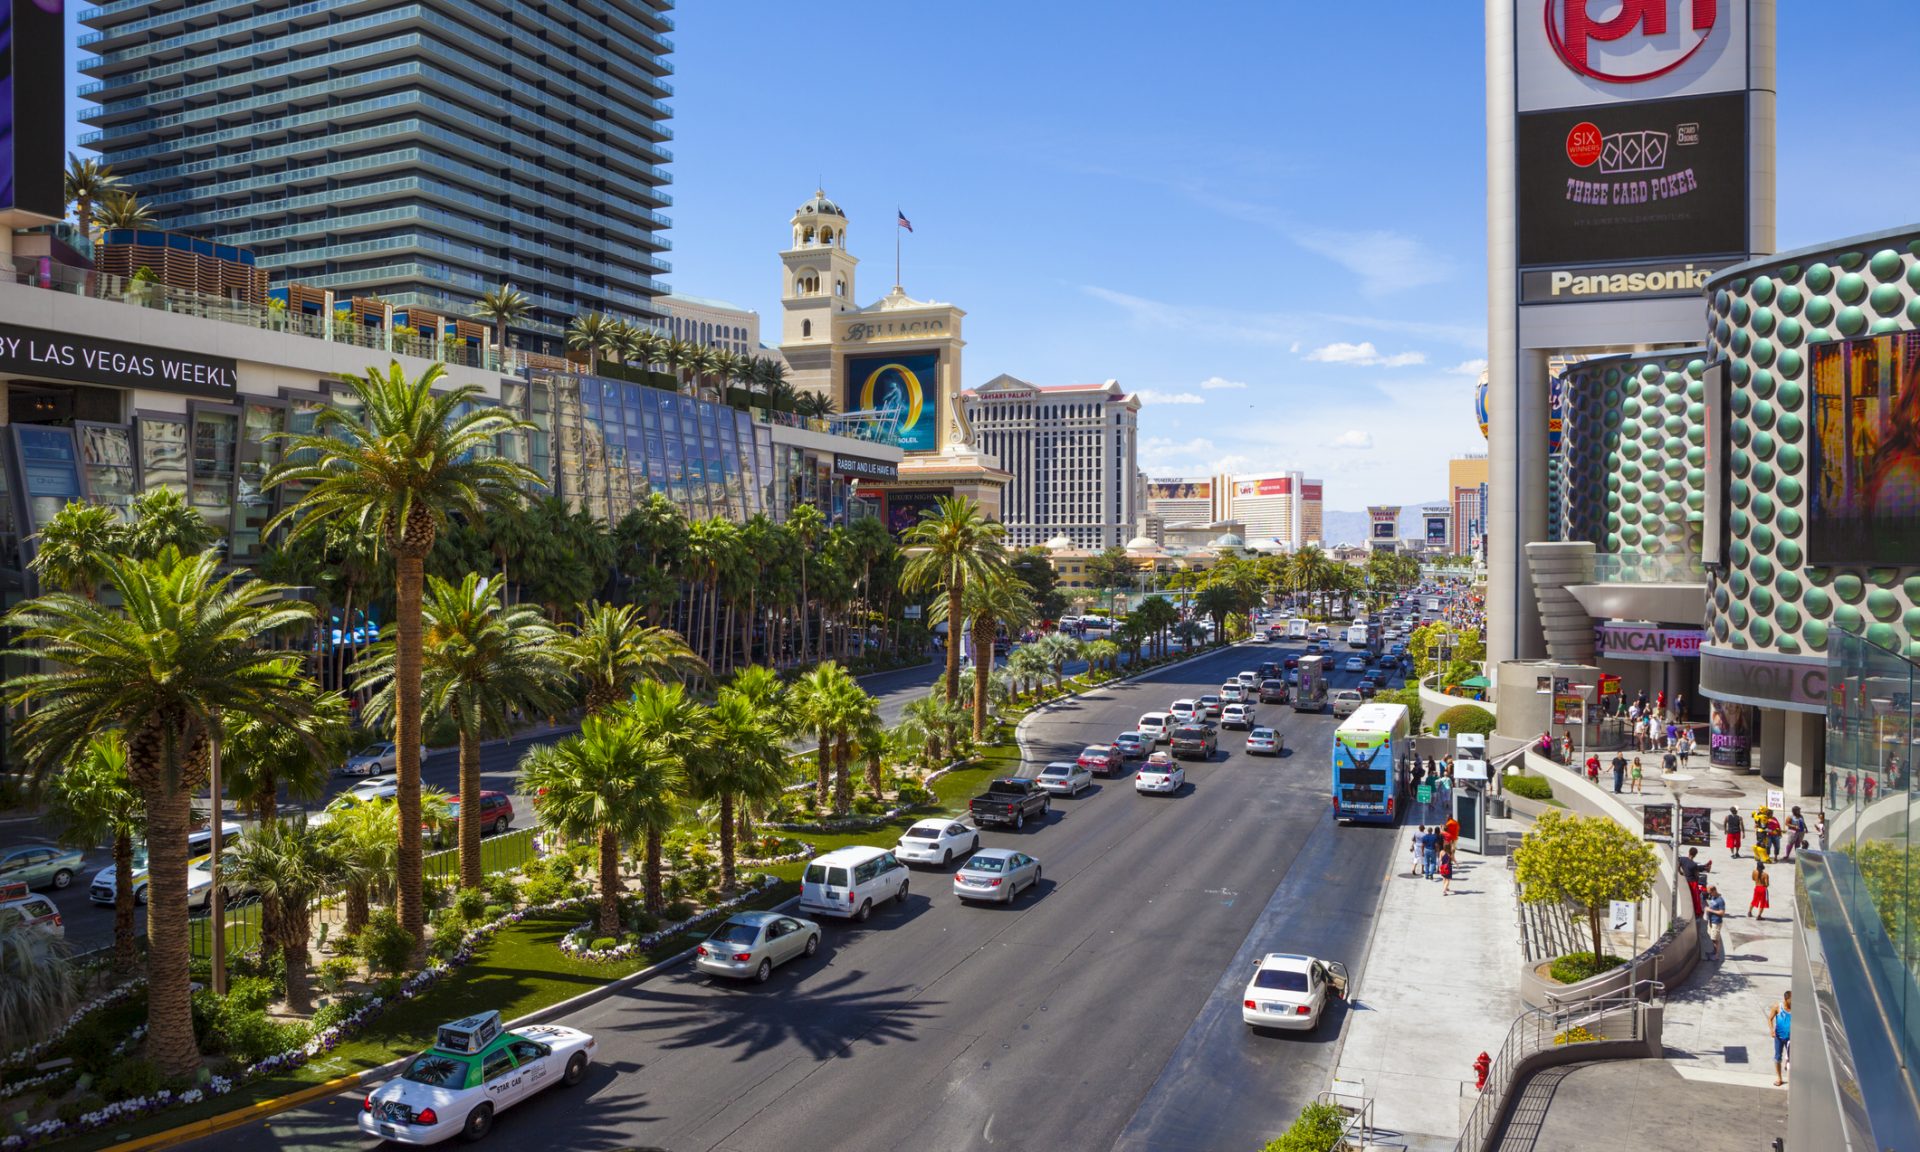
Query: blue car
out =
(39, 865)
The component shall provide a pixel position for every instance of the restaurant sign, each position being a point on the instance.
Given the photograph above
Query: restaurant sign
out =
(1647, 642)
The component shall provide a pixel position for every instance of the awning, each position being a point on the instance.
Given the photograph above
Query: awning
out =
(1475, 682)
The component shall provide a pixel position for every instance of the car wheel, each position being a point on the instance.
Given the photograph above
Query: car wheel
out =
(63, 878)
(500, 826)
(866, 910)
(479, 1123)
(1046, 806)
(813, 944)
(1019, 821)
(576, 1069)
(761, 973)
(900, 897)
(976, 843)
(1036, 879)
(946, 858)
(140, 896)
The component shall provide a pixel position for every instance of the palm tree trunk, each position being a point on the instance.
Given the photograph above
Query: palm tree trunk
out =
(726, 842)
(803, 606)
(406, 692)
(655, 899)
(170, 1040)
(982, 642)
(294, 928)
(842, 787)
(873, 769)
(609, 881)
(124, 954)
(470, 872)
(956, 596)
(824, 766)
(267, 799)
(356, 909)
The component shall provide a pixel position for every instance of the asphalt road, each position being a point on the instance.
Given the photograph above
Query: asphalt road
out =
(1089, 1015)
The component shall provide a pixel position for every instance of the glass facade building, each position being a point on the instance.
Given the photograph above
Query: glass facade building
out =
(421, 152)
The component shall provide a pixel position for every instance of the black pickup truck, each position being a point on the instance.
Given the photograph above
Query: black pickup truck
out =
(1009, 801)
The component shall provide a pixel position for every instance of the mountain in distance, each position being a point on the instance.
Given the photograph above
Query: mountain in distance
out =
(1353, 527)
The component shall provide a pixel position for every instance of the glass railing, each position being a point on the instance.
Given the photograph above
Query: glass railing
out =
(1648, 568)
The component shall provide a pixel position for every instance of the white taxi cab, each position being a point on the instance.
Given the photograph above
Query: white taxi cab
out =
(475, 1069)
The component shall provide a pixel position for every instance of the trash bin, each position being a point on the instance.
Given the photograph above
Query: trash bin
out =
(1496, 807)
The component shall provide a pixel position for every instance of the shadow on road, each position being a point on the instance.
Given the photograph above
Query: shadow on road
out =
(796, 1007)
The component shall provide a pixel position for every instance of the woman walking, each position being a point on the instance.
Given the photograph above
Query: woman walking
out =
(1635, 774)
(1757, 907)
(1734, 828)
(1446, 873)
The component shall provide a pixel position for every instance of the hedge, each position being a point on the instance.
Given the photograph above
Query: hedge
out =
(1465, 718)
(1531, 787)
(1316, 1130)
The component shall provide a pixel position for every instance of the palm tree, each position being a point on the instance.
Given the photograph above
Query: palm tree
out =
(369, 844)
(183, 649)
(676, 354)
(1029, 665)
(998, 600)
(75, 551)
(291, 864)
(709, 546)
(1102, 654)
(676, 726)
(1059, 650)
(260, 757)
(500, 307)
(828, 703)
(95, 801)
(612, 649)
(814, 405)
(395, 465)
(588, 333)
(806, 522)
(727, 369)
(955, 542)
(481, 664)
(86, 182)
(741, 760)
(163, 519)
(121, 209)
(37, 983)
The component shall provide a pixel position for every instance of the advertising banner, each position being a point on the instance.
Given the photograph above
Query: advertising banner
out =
(1566, 709)
(1866, 458)
(1656, 822)
(1632, 182)
(32, 107)
(862, 468)
(1384, 529)
(1179, 489)
(115, 363)
(1647, 642)
(1436, 529)
(1730, 733)
(1696, 826)
(904, 507)
(909, 384)
(1271, 486)
(1580, 52)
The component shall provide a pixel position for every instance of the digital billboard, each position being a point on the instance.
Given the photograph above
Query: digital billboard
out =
(1384, 530)
(1436, 529)
(32, 107)
(1651, 181)
(905, 506)
(1864, 502)
(1268, 486)
(1179, 490)
(1583, 52)
(907, 383)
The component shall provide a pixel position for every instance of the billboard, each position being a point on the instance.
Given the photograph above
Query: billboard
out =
(1384, 530)
(1270, 486)
(1585, 52)
(1436, 529)
(33, 111)
(1179, 489)
(908, 383)
(1654, 181)
(904, 506)
(1864, 502)
(1311, 491)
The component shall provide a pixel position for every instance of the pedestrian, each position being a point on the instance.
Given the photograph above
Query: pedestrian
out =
(1796, 833)
(1695, 874)
(1780, 1024)
(1660, 704)
(1620, 771)
(1734, 828)
(1452, 832)
(1686, 747)
(1446, 873)
(1757, 907)
(1680, 707)
(1773, 836)
(1429, 851)
(1566, 748)
(1593, 773)
(1716, 906)
(1669, 760)
(1636, 774)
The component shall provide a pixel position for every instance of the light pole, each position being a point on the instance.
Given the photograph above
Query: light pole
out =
(1676, 783)
(216, 900)
(1585, 692)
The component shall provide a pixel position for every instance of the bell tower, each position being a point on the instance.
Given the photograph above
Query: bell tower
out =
(818, 272)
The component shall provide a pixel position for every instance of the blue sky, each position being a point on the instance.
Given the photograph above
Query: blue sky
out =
(1267, 217)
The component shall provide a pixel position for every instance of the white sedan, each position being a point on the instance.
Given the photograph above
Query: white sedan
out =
(1356, 664)
(1161, 774)
(1064, 778)
(375, 759)
(1290, 991)
(996, 874)
(456, 1087)
(1263, 741)
(936, 841)
(1237, 716)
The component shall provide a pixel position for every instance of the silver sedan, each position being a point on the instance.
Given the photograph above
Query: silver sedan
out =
(996, 874)
(1064, 778)
(748, 945)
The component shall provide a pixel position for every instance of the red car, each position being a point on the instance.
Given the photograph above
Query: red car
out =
(1101, 759)
(496, 813)
(1293, 661)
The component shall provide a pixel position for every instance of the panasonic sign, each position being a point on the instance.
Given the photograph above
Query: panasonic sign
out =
(1630, 282)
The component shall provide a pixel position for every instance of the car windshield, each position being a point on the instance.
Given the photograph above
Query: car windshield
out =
(1263, 733)
(437, 1071)
(731, 933)
(1057, 770)
(986, 864)
(1281, 980)
(924, 833)
(372, 750)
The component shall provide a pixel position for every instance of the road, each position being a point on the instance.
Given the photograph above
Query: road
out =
(1099, 1012)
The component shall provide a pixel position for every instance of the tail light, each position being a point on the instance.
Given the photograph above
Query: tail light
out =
(1302, 1010)
(1252, 1005)
(426, 1116)
(849, 899)
(742, 957)
(56, 919)
(367, 1104)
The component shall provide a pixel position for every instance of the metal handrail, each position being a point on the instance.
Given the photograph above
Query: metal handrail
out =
(1540, 1028)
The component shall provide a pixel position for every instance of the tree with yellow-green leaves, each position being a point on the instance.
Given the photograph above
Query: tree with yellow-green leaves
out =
(1468, 652)
(1589, 861)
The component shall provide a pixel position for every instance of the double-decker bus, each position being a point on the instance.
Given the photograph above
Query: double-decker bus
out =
(1367, 748)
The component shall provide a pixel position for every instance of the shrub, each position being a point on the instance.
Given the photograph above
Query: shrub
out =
(470, 903)
(385, 945)
(251, 993)
(1577, 966)
(1316, 1129)
(71, 1111)
(535, 868)
(602, 943)
(501, 890)
(1531, 787)
(563, 866)
(547, 889)
(335, 971)
(245, 1034)
(496, 911)
(868, 806)
(436, 894)
(327, 1015)
(678, 910)
(131, 1078)
(1465, 718)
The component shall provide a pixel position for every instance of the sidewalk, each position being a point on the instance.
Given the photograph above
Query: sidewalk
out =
(1440, 986)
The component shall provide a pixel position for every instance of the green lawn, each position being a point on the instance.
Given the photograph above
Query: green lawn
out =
(520, 972)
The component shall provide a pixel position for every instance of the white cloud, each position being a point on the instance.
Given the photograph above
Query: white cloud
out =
(1218, 383)
(1155, 396)
(1365, 355)
(1294, 347)
(1469, 367)
(1354, 438)
(1384, 261)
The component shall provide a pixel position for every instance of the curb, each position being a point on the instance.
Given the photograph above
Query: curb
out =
(1019, 729)
(227, 1121)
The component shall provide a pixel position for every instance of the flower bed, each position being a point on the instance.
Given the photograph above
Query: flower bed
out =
(849, 823)
(24, 1056)
(575, 942)
(803, 851)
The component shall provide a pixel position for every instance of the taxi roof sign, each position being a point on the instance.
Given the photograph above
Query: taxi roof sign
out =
(469, 1036)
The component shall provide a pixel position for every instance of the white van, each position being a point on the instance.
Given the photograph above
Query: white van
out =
(1155, 726)
(848, 882)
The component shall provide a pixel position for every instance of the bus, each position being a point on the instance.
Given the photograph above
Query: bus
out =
(1310, 695)
(1367, 748)
(1357, 636)
(1297, 628)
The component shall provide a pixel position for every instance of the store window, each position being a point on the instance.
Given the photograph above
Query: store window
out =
(163, 453)
(216, 437)
(106, 461)
(260, 450)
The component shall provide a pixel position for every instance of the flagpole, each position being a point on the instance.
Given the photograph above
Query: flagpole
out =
(896, 250)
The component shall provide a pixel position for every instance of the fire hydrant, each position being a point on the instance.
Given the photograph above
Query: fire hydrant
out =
(1482, 1064)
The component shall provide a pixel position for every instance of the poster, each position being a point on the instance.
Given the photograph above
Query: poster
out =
(1566, 708)
(1864, 501)
(908, 384)
(1730, 735)
(1657, 822)
(905, 506)
(1543, 685)
(1696, 825)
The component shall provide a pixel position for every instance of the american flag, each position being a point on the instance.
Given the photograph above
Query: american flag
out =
(904, 222)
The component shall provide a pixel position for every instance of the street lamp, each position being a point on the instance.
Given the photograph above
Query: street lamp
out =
(1677, 783)
(216, 901)
(1585, 692)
